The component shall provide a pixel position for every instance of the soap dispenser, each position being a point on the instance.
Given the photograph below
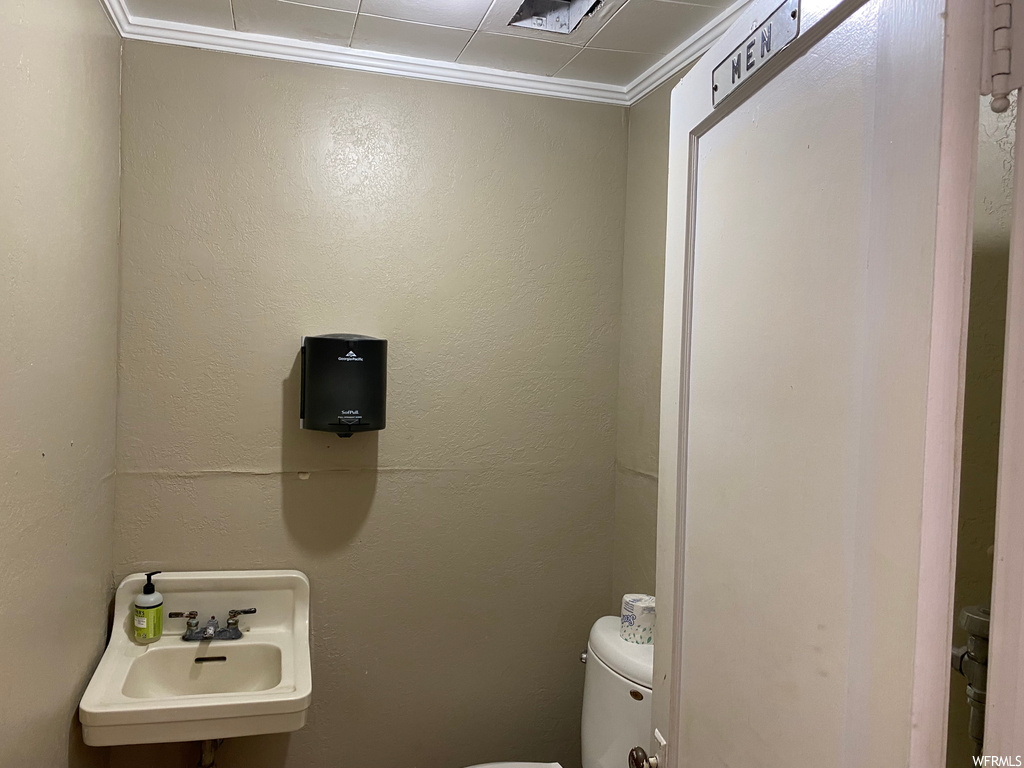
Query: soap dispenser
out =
(149, 612)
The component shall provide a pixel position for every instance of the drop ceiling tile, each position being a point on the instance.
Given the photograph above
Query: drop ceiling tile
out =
(334, 5)
(502, 11)
(302, 22)
(464, 14)
(612, 67)
(204, 13)
(651, 26)
(517, 54)
(721, 5)
(408, 38)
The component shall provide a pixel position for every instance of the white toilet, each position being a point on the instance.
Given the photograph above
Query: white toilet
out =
(616, 699)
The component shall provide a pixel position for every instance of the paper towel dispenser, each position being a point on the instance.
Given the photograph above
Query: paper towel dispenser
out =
(344, 383)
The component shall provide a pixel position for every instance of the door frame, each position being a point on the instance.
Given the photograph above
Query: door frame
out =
(692, 115)
(1004, 706)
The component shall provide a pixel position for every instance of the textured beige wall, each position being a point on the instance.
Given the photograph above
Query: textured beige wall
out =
(59, 75)
(643, 285)
(459, 557)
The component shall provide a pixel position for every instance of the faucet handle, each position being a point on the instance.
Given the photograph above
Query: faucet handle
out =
(192, 616)
(234, 613)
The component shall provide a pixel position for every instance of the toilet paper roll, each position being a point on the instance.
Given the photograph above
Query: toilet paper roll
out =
(637, 624)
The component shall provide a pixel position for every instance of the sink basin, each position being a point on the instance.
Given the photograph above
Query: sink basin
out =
(173, 690)
(164, 672)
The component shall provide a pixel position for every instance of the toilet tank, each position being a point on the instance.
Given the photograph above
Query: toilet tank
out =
(616, 696)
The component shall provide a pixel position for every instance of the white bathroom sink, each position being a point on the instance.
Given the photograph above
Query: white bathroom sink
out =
(173, 690)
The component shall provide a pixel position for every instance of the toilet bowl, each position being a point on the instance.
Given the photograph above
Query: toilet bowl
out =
(616, 699)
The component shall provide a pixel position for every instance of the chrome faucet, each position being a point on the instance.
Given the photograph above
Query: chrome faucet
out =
(212, 630)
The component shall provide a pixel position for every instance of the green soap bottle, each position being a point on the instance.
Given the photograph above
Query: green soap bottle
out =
(149, 612)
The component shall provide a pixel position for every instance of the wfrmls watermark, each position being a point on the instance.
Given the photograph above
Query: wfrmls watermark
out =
(998, 761)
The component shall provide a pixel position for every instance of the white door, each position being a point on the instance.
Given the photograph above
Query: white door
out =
(818, 253)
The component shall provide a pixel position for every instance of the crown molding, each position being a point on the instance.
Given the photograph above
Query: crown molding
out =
(287, 49)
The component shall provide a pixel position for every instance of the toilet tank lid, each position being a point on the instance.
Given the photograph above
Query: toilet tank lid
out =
(634, 662)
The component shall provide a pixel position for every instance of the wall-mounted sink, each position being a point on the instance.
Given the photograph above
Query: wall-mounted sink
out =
(173, 690)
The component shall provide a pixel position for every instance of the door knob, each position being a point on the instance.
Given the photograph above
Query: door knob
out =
(638, 759)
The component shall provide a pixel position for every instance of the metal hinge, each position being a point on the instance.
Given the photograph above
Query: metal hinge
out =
(1001, 72)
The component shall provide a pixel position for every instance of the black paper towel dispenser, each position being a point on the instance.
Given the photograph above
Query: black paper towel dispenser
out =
(344, 383)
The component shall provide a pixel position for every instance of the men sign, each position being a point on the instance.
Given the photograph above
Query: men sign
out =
(772, 36)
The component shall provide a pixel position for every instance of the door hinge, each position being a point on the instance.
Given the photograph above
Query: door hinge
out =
(1001, 72)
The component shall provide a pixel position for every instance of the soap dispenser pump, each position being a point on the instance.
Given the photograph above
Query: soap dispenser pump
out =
(149, 612)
